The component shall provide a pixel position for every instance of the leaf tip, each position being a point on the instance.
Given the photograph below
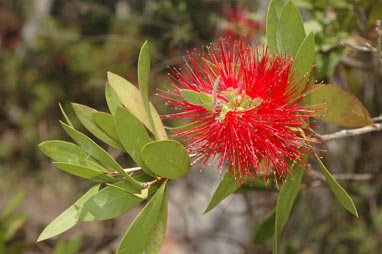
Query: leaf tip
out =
(42, 237)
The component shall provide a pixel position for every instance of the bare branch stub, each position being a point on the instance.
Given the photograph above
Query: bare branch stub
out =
(351, 132)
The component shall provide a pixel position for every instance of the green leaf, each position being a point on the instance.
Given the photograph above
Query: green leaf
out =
(68, 247)
(205, 98)
(167, 158)
(375, 12)
(132, 100)
(68, 218)
(290, 29)
(96, 151)
(159, 232)
(285, 201)
(2, 243)
(84, 172)
(112, 99)
(74, 245)
(141, 229)
(226, 187)
(271, 28)
(278, 5)
(106, 122)
(65, 115)
(339, 106)
(13, 204)
(230, 184)
(266, 229)
(206, 101)
(289, 249)
(259, 184)
(110, 202)
(191, 96)
(133, 136)
(143, 81)
(85, 115)
(304, 59)
(63, 151)
(13, 224)
(341, 195)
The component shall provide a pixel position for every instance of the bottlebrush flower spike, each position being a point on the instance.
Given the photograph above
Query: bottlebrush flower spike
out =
(242, 105)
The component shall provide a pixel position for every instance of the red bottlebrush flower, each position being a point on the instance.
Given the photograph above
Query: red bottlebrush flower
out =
(248, 114)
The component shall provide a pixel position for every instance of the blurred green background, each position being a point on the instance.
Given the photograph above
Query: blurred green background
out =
(55, 51)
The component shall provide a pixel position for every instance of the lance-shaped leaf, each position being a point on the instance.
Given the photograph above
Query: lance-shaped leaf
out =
(226, 187)
(285, 201)
(191, 96)
(266, 229)
(196, 98)
(12, 205)
(206, 101)
(65, 115)
(133, 136)
(11, 225)
(141, 229)
(339, 106)
(341, 195)
(144, 81)
(112, 99)
(271, 27)
(132, 100)
(59, 150)
(63, 151)
(167, 158)
(106, 122)
(304, 60)
(96, 152)
(290, 29)
(157, 237)
(229, 184)
(68, 218)
(84, 172)
(68, 247)
(111, 202)
(85, 115)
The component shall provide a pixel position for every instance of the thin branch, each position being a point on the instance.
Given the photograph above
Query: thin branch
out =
(377, 118)
(351, 132)
(356, 177)
(130, 170)
(135, 169)
(379, 31)
(365, 48)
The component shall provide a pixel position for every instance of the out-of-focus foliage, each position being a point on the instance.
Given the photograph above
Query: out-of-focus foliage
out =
(63, 50)
(68, 247)
(333, 21)
(10, 225)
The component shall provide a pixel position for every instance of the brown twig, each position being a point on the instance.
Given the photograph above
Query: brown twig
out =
(148, 184)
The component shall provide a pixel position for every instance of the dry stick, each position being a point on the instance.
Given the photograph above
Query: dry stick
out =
(377, 118)
(367, 47)
(350, 132)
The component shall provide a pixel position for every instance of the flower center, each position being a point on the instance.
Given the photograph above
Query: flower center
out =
(236, 102)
